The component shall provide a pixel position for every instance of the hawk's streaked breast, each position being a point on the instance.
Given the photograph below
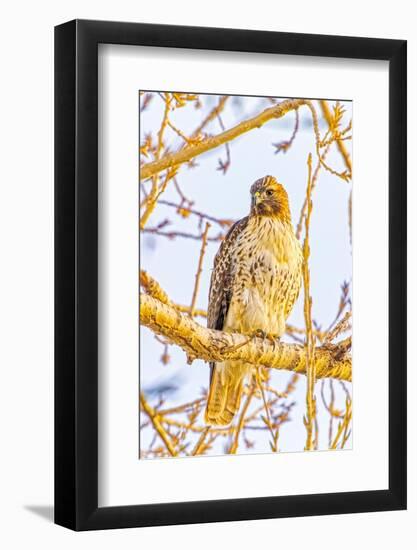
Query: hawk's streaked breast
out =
(266, 263)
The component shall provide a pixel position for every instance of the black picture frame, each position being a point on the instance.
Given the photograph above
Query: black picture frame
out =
(76, 272)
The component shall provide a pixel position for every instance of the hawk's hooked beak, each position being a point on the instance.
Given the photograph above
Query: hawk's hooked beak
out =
(257, 197)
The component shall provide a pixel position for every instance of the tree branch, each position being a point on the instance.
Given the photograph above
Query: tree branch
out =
(341, 146)
(332, 361)
(187, 153)
(155, 419)
(309, 419)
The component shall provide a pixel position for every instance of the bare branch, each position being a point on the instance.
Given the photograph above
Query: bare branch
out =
(343, 427)
(212, 115)
(200, 443)
(331, 361)
(199, 270)
(309, 420)
(185, 210)
(286, 144)
(187, 153)
(182, 234)
(152, 198)
(233, 448)
(341, 146)
(154, 418)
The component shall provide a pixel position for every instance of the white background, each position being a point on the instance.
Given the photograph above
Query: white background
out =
(122, 478)
(26, 301)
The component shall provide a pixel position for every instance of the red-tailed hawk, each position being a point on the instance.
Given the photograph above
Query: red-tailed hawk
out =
(254, 284)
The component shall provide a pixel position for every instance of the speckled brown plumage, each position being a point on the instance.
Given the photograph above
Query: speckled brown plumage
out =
(254, 284)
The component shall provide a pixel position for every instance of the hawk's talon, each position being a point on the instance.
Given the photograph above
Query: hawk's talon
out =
(259, 333)
(273, 338)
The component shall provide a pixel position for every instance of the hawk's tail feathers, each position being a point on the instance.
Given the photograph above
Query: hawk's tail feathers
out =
(225, 393)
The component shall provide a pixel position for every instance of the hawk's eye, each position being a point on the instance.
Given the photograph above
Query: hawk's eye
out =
(269, 192)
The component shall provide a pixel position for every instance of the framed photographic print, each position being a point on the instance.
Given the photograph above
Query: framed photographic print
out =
(230, 247)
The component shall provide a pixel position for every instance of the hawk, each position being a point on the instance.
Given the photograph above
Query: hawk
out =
(255, 282)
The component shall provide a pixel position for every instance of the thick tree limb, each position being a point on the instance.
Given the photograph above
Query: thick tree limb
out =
(191, 151)
(332, 361)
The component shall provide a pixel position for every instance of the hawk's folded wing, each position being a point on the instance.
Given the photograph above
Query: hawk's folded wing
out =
(221, 283)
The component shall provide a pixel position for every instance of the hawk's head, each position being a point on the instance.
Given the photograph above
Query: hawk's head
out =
(269, 198)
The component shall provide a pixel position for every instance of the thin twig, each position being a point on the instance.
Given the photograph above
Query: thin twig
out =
(154, 418)
(191, 151)
(154, 195)
(310, 362)
(341, 146)
(182, 234)
(224, 166)
(200, 443)
(285, 145)
(313, 185)
(183, 408)
(343, 426)
(211, 116)
(199, 269)
(219, 221)
(267, 419)
(233, 448)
